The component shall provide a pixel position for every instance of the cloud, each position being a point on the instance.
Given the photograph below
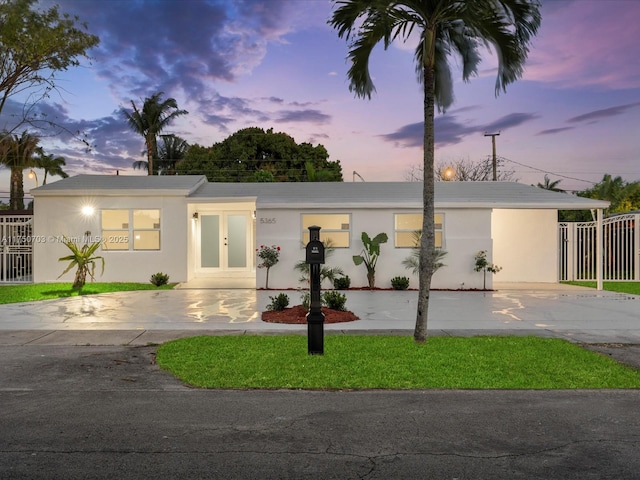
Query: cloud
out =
(587, 44)
(603, 113)
(168, 46)
(310, 116)
(552, 131)
(450, 131)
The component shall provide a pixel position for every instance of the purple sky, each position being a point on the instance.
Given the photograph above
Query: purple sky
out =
(276, 63)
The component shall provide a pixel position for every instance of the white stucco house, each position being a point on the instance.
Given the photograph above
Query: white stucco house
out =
(195, 230)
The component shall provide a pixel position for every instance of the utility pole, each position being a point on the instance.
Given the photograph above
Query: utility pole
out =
(493, 144)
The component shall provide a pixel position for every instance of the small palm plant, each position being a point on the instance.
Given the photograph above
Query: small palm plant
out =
(326, 272)
(82, 257)
(412, 262)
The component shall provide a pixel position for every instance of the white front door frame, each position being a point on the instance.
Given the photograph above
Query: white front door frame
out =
(227, 256)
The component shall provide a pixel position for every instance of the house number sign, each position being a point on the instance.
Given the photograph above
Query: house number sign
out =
(267, 220)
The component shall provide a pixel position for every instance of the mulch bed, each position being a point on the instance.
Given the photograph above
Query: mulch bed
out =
(298, 315)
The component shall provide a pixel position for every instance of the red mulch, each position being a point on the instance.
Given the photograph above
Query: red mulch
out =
(298, 315)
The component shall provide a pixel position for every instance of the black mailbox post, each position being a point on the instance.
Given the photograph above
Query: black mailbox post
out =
(315, 317)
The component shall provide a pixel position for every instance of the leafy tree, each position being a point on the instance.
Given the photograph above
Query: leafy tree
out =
(36, 45)
(551, 185)
(253, 154)
(51, 165)
(149, 121)
(445, 28)
(17, 153)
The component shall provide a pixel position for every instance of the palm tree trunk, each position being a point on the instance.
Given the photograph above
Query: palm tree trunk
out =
(149, 157)
(16, 190)
(427, 240)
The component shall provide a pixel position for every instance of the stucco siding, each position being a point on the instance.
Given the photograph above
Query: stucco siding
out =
(525, 245)
(465, 232)
(57, 216)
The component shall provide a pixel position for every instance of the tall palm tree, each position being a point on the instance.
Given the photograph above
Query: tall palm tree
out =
(170, 152)
(150, 120)
(51, 166)
(446, 28)
(17, 153)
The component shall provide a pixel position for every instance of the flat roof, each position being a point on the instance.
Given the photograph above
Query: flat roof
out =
(315, 195)
(132, 185)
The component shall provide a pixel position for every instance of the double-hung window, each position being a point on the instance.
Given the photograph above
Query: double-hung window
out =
(131, 229)
(409, 225)
(335, 228)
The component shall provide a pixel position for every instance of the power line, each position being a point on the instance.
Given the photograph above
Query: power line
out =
(547, 171)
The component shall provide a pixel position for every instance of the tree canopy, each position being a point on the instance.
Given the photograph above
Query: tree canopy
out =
(623, 195)
(255, 155)
(35, 45)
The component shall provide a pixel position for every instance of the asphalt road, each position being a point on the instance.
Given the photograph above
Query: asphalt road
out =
(110, 413)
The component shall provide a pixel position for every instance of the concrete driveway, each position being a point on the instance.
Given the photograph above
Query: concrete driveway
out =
(579, 314)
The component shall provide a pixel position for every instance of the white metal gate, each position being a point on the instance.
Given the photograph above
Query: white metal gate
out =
(16, 248)
(621, 249)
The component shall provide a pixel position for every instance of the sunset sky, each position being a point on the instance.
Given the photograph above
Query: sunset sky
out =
(277, 64)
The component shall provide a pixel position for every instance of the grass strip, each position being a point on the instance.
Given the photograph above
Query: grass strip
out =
(48, 291)
(622, 287)
(391, 362)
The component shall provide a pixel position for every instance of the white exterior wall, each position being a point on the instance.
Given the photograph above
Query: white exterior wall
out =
(57, 216)
(465, 231)
(526, 245)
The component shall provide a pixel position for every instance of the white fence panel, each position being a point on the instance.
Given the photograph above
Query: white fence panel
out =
(16, 248)
(621, 249)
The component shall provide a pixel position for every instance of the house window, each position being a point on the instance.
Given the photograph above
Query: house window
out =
(130, 229)
(407, 224)
(334, 227)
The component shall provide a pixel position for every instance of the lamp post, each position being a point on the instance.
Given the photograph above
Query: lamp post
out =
(32, 175)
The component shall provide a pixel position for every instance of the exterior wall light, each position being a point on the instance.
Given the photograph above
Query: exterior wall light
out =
(87, 210)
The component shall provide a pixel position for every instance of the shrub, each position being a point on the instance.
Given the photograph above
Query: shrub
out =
(400, 283)
(334, 300)
(305, 300)
(341, 283)
(159, 279)
(278, 303)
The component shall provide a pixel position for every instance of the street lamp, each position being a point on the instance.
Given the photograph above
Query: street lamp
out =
(32, 175)
(449, 173)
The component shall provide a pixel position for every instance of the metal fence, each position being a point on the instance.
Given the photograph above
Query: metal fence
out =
(16, 247)
(621, 249)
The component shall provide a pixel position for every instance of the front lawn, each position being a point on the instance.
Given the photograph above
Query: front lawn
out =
(622, 287)
(390, 362)
(48, 291)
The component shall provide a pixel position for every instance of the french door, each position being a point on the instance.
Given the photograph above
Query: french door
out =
(224, 239)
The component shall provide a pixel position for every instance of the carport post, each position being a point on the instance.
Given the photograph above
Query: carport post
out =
(599, 251)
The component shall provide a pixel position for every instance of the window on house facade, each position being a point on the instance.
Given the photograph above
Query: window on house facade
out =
(131, 229)
(335, 227)
(406, 224)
